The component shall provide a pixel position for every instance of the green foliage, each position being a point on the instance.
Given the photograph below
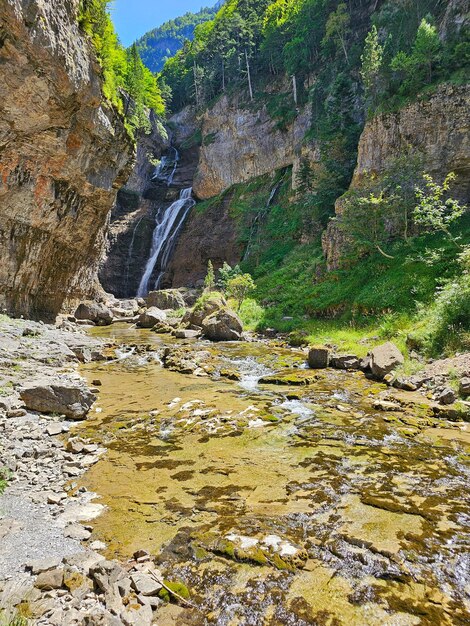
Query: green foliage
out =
(239, 287)
(5, 476)
(209, 280)
(121, 69)
(226, 273)
(372, 59)
(434, 211)
(445, 326)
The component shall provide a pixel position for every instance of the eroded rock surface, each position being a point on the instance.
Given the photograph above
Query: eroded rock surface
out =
(62, 155)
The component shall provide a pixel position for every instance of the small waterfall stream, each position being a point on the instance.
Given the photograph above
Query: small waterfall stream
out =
(165, 170)
(169, 223)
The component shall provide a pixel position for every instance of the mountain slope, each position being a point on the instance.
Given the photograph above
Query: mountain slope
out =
(161, 43)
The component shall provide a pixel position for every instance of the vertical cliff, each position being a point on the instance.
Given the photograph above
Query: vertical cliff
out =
(63, 154)
(435, 129)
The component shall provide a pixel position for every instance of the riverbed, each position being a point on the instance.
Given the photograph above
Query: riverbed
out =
(287, 501)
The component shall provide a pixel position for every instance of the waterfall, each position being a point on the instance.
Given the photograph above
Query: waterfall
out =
(169, 223)
(165, 171)
(131, 250)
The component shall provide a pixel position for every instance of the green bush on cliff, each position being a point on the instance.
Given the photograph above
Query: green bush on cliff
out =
(121, 69)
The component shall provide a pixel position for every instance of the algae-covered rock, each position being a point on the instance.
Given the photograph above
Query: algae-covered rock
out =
(165, 299)
(318, 357)
(176, 587)
(205, 306)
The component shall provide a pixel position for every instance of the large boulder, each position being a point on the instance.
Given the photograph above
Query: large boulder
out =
(318, 357)
(151, 317)
(205, 306)
(223, 325)
(95, 312)
(65, 398)
(384, 359)
(165, 299)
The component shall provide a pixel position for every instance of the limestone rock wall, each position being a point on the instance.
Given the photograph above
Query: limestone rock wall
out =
(62, 157)
(437, 128)
(239, 144)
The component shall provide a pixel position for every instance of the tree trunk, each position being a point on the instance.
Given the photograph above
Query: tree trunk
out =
(249, 75)
(294, 86)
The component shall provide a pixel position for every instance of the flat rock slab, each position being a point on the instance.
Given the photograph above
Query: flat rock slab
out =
(64, 398)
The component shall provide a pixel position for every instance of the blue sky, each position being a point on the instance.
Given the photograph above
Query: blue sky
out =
(133, 18)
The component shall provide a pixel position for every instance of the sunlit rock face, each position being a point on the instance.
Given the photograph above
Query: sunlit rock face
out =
(62, 156)
(435, 130)
(239, 144)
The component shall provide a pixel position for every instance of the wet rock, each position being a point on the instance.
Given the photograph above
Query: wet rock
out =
(165, 299)
(345, 362)
(384, 359)
(77, 532)
(223, 325)
(386, 405)
(318, 357)
(151, 317)
(51, 579)
(95, 312)
(183, 333)
(70, 399)
(464, 387)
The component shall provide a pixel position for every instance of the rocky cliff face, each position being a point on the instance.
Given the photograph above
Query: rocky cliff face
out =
(436, 129)
(62, 157)
(239, 144)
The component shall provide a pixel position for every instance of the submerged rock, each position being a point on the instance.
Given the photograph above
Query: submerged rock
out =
(384, 359)
(66, 398)
(223, 325)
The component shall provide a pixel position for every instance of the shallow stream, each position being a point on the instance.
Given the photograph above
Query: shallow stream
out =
(291, 503)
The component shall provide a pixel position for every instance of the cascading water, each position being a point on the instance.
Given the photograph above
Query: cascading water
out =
(166, 169)
(169, 223)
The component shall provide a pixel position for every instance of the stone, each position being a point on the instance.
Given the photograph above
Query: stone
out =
(106, 574)
(386, 405)
(165, 299)
(38, 566)
(138, 554)
(183, 333)
(137, 615)
(345, 362)
(77, 532)
(68, 398)
(56, 498)
(445, 395)
(96, 312)
(145, 584)
(57, 428)
(384, 359)
(464, 387)
(223, 325)
(151, 317)
(50, 579)
(205, 306)
(318, 357)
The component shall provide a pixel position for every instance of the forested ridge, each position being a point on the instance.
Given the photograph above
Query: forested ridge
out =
(160, 44)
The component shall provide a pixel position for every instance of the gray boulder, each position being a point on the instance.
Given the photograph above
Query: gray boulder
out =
(151, 317)
(223, 325)
(183, 333)
(384, 359)
(50, 579)
(66, 398)
(345, 362)
(318, 357)
(464, 387)
(165, 299)
(95, 312)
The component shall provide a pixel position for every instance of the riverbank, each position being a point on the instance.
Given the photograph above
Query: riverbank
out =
(162, 392)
